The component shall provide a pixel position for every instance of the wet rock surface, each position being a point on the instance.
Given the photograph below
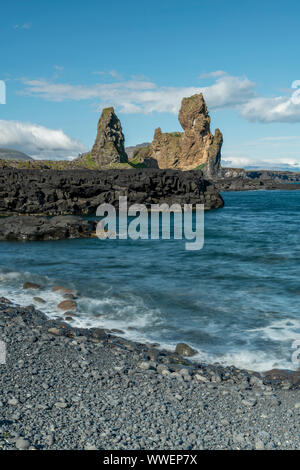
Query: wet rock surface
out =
(34, 228)
(185, 350)
(77, 192)
(69, 388)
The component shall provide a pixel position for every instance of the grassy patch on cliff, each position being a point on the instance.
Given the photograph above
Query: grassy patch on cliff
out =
(87, 162)
(200, 167)
(139, 155)
(137, 163)
(174, 134)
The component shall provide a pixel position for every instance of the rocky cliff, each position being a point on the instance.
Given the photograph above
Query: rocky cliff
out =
(194, 148)
(109, 144)
(76, 192)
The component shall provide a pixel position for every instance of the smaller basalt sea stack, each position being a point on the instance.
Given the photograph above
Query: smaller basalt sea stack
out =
(42, 228)
(109, 144)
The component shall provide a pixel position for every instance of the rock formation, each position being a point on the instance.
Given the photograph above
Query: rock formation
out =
(77, 192)
(42, 228)
(109, 144)
(196, 147)
(142, 158)
(133, 148)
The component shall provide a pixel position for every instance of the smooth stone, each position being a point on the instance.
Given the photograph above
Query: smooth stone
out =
(67, 305)
(185, 350)
(201, 378)
(31, 285)
(13, 402)
(61, 405)
(259, 445)
(54, 331)
(22, 444)
(63, 290)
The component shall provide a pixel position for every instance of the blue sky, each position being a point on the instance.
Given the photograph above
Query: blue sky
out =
(62, 61)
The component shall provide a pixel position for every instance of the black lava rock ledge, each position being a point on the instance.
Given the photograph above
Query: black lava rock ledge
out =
(80, 192)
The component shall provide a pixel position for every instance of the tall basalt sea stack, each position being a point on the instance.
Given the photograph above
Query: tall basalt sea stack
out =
(109, 144)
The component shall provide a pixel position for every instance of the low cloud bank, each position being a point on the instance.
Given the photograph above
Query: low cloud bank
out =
(38, 141)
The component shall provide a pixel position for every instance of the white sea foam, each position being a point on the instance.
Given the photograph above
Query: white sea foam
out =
(244, 359)
(287, 329)
(132, 316)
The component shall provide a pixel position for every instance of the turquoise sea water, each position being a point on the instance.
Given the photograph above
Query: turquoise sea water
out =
(236, 300)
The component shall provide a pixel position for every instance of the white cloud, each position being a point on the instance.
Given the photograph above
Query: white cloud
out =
(111, 73)
(235, 161)
(38, 141)
(145, 96)
(141, 96)
(282, 138)
(274, 152)
(278, 109)
(23, 26)
(217, 73)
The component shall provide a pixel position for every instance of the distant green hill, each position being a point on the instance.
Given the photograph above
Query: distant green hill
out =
(9, 154)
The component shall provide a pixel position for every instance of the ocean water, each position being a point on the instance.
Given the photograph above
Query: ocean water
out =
(236, 301)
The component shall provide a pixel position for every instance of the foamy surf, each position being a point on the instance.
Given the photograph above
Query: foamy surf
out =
(140, 323)
(130, 316)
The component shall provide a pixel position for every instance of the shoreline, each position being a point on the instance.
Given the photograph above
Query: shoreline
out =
(274, 376)
(72, 388)
(69, 321)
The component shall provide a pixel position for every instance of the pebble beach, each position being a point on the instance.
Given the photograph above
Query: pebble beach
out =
(68, 388)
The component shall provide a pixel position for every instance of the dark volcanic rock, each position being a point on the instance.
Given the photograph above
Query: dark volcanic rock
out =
(75, 192)
(238, 179)
(41, 228)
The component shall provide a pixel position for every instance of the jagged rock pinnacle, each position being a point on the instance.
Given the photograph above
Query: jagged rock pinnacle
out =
(109, 143)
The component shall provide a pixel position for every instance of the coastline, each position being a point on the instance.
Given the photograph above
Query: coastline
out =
(73, 388)
(76, 321)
